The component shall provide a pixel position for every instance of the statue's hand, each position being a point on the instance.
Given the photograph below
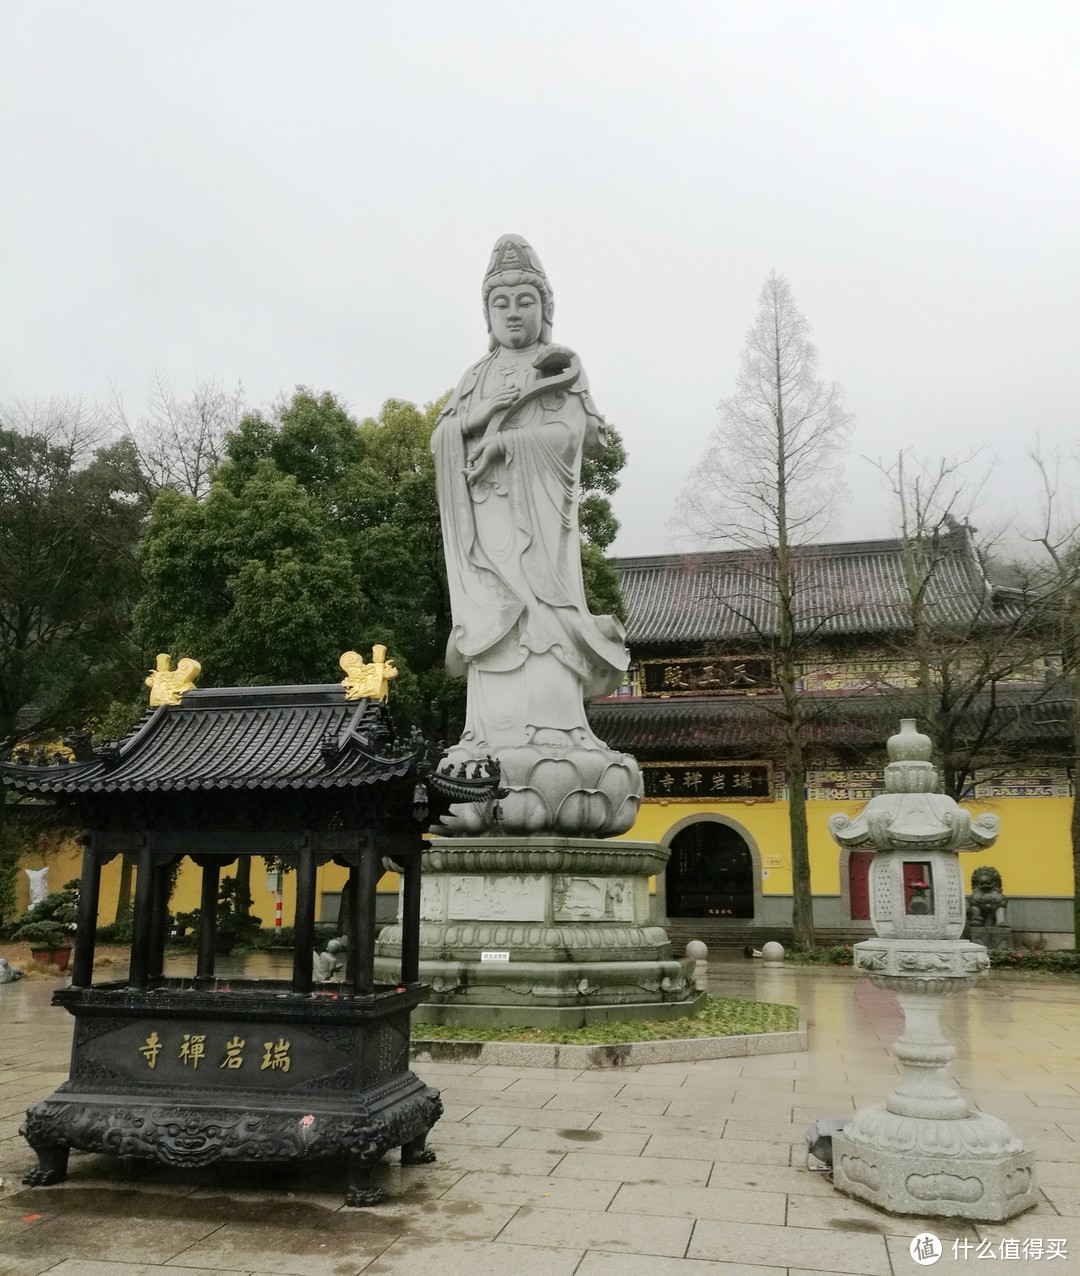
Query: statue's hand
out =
(482, 458)
(482, 413)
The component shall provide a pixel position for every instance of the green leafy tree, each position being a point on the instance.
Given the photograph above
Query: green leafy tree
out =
(320, 533)
(71, 514)
(599, 526)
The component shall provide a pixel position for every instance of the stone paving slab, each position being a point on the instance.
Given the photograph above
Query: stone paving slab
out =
(92, 1267)
(633, 1169)
(499, 1160)
(409, 1257)
(112, 1239)
(1065, 1200)
(471, 1134)
(618, 1098)
(535, 1189)
(283, 1252)
(678, 1146)
(721, 1204)
(709, 1179)
(816, 1249)
(532, 1118)
(568, 1140)
(593, 1229)
(596, 1263)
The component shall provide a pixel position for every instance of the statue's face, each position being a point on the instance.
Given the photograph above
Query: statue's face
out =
(515, 314)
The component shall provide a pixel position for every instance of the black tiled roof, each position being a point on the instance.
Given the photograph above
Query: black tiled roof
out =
(254, 738)
(847, 588)
(752, 724)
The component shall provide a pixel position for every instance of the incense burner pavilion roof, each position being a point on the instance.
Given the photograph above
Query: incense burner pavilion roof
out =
(848, 588)
(240, 738)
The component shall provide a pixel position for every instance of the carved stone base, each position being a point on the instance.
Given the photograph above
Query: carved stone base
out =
(991, 936)
(542, 931)
(927, 1150)
(972, 1167)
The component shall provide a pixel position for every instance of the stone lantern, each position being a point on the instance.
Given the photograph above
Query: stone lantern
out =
(926, 1151)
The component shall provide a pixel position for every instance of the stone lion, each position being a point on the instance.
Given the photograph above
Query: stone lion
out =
(986, 904)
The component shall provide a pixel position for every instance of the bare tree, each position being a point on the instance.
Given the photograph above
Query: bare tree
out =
(180, 441)
(767, 484)
(966, 637)
(1058, 535)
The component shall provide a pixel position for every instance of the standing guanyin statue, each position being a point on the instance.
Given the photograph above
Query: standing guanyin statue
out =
(508, 449)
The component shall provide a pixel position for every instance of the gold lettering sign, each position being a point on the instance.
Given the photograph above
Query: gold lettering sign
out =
(707, 676)
(708, 782)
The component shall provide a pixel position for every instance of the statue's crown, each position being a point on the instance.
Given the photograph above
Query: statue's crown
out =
(512, 252)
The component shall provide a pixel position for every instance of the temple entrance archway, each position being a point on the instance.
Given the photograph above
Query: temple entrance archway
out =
(712, 872)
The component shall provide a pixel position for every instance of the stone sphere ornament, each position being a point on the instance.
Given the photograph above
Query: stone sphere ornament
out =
(772, 953)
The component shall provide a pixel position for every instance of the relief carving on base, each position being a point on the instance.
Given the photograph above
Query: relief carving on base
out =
(592, 899)
(193, 1138)
(861, 1171)
(942, 1186)
(1018, 1182)
(983, 1137)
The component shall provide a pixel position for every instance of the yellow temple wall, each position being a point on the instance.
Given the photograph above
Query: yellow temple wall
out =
(1033, 853)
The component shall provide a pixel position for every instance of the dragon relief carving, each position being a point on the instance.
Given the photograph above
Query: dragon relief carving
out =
(192, 1138)
(923, 963)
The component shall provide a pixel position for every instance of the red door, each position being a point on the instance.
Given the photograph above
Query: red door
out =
(859, 884)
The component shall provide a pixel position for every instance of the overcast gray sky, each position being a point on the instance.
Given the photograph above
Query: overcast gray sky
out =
(286, 193)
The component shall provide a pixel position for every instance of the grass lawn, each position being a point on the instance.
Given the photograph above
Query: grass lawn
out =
(721, 1017)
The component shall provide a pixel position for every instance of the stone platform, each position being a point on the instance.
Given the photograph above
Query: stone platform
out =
(997, 937)
(542, 931)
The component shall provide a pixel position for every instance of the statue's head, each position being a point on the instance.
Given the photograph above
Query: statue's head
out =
(986, 878)
(515, 269)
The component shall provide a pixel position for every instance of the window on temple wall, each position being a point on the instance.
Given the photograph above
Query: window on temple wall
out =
(918, 887)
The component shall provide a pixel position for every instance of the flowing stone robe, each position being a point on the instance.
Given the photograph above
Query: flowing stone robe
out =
(522, 631)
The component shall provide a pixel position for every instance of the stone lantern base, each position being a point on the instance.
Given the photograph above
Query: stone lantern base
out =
(971, 1167)
(926, 1150)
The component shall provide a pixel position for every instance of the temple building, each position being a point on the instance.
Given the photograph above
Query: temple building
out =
(700, 710)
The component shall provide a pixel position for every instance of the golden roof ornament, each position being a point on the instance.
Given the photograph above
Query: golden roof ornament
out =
(365, 681)
(168, 685)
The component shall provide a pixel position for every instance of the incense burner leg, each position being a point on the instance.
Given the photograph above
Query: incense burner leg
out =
(416, 1151)
(360, 1186)
(51, 1167)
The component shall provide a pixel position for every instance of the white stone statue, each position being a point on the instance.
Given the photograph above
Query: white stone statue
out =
(508, 450)
(39, 885)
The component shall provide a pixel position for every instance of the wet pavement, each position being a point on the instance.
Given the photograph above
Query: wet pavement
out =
(690, 1169)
